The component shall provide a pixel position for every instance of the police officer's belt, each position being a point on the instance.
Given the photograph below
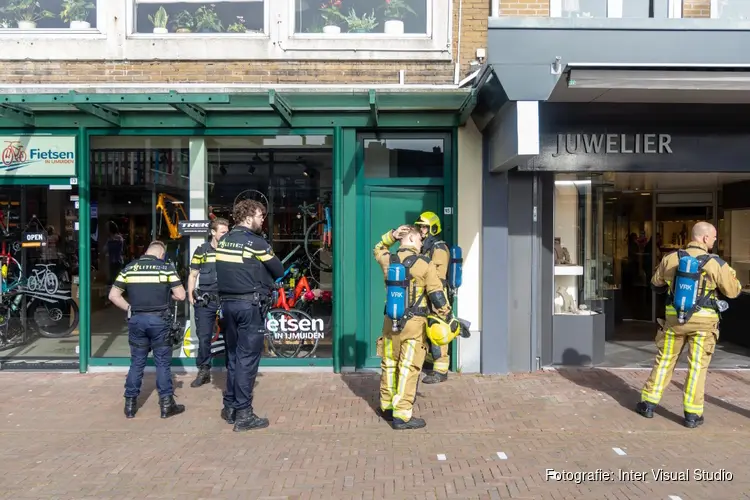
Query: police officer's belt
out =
(252, 297)
(212, 296)
(151, 313)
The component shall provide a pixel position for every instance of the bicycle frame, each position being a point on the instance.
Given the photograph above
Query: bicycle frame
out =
(161, 205)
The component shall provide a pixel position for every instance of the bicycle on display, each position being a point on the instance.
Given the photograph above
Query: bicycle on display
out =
(251, 194)
(319, 242)
(43, 279)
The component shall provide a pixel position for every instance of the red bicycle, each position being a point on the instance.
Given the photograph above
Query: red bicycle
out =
(13, 153)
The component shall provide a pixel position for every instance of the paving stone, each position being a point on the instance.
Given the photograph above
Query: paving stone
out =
(64, 436)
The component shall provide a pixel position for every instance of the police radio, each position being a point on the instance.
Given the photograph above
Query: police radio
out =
(686, 284)
(397, 290)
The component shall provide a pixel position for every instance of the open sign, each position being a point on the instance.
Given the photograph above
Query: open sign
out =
(33, 239)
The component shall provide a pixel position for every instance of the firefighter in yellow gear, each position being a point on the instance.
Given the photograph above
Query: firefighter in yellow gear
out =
(700, 332)
(403, 352)
(439, 253)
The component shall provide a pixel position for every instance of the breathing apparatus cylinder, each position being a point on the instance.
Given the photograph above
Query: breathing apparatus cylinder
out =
(455, 269)
(396, 293)
(686, 284)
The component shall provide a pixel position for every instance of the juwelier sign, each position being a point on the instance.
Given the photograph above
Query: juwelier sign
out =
(38, 156)
(613, 144)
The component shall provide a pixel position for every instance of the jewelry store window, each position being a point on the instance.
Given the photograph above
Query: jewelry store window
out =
(578, 297)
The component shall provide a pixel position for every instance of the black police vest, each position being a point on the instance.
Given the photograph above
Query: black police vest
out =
(148, 281)
(207, 279)
(238, 270)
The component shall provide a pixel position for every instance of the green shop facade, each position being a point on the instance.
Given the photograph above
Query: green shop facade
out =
(87, 179)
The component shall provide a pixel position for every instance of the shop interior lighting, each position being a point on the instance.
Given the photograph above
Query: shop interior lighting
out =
(573, 183)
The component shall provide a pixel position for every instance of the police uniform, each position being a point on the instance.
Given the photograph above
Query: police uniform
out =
(403, 352)
(204, 261)
(700, 333)
(148, 282)
(246, 269)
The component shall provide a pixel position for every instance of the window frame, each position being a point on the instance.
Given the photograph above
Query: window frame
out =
(66, 33)
(131, 6)
(714, 10)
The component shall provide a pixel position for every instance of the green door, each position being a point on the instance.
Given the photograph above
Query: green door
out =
(385, 208)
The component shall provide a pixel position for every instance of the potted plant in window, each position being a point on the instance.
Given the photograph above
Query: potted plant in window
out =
(394, 11)
(159, 20)
(26, 13)
(184, 22)
(75, 12)
(207, 20)
(332, 15)
(364, 24)
(238, 26)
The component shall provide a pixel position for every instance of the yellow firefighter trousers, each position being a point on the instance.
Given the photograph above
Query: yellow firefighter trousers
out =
(443, 363)
(403, 356)
(670, 341)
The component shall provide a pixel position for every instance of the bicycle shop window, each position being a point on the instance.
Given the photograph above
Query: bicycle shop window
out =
(403, 156)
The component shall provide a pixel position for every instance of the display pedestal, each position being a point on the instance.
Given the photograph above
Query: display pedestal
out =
(578, 340)
(607, 305)
(735, 322)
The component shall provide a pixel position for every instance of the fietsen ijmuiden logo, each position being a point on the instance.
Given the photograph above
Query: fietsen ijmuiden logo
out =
(14, 156)
(286, 328)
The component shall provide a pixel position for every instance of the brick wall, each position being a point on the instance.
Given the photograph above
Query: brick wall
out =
(474, 35)
(696, 8)
(524, 8)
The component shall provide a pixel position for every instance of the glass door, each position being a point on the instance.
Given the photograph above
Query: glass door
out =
(39, 313)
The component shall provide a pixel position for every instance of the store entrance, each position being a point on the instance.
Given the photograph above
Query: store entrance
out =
(39, 313)
(647, 216)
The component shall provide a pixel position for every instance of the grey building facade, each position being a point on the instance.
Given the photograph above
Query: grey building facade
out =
(588, 97)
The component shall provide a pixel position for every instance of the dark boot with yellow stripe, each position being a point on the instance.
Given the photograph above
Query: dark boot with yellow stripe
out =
(645, 409)
(435, 378)
(692, 420)
(412, 423)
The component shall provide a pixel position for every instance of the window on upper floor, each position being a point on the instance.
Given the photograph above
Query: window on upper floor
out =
(738, 10)
(47, 15)
(383, 17)
(199, 17)
(610, 8)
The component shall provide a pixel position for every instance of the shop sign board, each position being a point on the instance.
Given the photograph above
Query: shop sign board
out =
(33, 239)
(38, 156)
(197, 227)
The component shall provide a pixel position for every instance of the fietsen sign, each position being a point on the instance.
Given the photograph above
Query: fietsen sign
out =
(38, 156)
(613, 144)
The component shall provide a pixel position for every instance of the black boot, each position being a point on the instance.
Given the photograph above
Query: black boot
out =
(435, 378)
(204, 377)
(692, 420)
(131, 407)
(228, 414)
(412, 423)
(246, 420)
(645, 409)
(386, 415)
(169, 408)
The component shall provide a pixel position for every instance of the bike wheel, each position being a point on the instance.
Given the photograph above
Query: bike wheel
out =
(32, 283)
(251, 194)
(313, 253)
(51, 283)
(307, 347)
(55, 320)
(280, 346)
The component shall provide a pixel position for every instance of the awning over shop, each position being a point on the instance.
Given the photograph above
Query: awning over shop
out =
(263, 109)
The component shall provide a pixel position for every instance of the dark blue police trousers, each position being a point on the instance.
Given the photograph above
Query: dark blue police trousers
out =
(244, 330)
(149, 332)
(205, 326)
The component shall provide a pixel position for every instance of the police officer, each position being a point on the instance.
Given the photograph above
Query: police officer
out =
(700, 332)
(203, 268)
(438, 252)
(403, 352)
(246, 268)
(148, 282)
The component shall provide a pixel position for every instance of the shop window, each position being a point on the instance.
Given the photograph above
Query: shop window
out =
(39, 314)
(577, 247)
(139, 193)
(405, 157)
(602, 8)
(292, 176)
(738, 10)
(181, 17)
(49, 14)
(392, 18)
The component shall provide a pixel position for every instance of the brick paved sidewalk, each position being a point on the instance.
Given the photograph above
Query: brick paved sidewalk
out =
(63, 436)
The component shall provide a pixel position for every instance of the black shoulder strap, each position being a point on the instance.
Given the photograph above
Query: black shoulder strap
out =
(394, 259)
